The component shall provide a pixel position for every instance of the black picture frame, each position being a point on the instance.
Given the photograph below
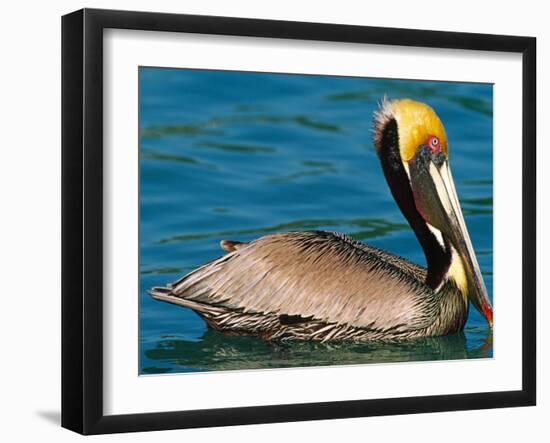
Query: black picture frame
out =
(82, 220)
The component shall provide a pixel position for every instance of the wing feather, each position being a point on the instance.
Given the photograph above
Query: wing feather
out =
(322, 275)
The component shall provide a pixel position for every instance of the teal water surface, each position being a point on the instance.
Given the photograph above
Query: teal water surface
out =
(229, 155)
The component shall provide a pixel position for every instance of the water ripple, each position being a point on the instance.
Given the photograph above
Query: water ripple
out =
(315, 168)
(237, 147)
(216, 352)
(212, 126)
(147, 154)
(376, 228)
(474, 104)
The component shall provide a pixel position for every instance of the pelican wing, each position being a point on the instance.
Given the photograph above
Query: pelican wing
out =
(319, 275)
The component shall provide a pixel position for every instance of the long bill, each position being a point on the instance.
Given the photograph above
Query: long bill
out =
(436, 200)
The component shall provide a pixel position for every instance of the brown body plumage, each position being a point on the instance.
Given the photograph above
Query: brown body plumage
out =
(325, 286)
(317, 285)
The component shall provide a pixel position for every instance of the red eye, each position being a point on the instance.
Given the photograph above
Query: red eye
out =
(434, 144)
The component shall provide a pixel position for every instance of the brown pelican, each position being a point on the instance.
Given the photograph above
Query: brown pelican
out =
(325, 286)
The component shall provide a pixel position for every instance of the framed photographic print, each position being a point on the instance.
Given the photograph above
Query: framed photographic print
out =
(269, 221)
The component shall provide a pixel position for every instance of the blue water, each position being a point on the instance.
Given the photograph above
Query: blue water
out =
(228, 155)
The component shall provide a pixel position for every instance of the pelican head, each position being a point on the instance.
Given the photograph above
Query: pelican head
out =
(413, 149)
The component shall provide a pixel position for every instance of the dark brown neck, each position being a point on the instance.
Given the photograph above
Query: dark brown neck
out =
(438, 256)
